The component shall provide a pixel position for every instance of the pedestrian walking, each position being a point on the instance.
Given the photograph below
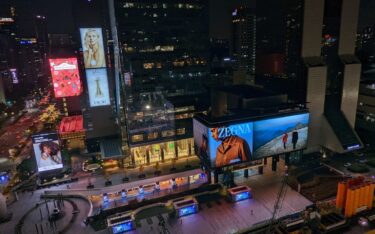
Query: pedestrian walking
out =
(251, 212)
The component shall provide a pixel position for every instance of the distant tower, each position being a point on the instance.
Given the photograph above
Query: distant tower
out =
(333, 73)
(244, 39)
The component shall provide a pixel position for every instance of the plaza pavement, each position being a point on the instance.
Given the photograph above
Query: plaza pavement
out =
(222, 217)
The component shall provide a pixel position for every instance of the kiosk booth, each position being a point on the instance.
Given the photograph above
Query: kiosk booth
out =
(186, 207)
(239, 193)
(121, 223)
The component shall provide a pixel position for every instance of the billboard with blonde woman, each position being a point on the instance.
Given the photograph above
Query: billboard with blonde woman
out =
(93, 49)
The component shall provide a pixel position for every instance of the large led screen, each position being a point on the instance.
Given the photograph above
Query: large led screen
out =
(280, 135)
(47, 151)
(201, 142)
(93, 49)
(65, 77)
(97, 83)
(230, 144)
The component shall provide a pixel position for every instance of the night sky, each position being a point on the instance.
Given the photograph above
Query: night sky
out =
(60, 17)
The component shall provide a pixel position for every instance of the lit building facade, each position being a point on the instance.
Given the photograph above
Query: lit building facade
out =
(332, 72)
(163, 49)
(244, 39)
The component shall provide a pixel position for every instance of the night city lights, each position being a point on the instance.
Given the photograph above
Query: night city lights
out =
(187, 116)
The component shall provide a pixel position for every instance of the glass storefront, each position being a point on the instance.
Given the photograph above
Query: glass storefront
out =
(182, 181)
(155, 153)
(183, 147)
(140, 155)
(165, 150)
(169, 150)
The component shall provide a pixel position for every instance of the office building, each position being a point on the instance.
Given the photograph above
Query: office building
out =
(332, 72)
(164, 48)
(244, 40)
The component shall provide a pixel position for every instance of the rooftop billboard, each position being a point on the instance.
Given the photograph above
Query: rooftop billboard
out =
(280, 135)
(47, 151)
(93, 49)
(240, 142)
(65, 77)
(97, 82)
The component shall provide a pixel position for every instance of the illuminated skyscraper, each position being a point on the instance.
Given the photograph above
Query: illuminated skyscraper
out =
(333, 72)
(244, 39)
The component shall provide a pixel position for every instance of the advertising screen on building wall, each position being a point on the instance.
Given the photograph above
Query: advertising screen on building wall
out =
(92, 46)
(237, 143)
(231, 144)
(47, 151)
(280, 135)
(65, 77)
(97, 83)
(224, 145)
(14, 75)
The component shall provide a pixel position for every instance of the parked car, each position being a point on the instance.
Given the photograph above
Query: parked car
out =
(347, 164)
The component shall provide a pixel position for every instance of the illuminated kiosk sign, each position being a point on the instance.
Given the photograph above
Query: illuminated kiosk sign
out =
(65, 77)
(121, 223)
(186, 207)
(239, 193)
(47, 151)
(123, 227)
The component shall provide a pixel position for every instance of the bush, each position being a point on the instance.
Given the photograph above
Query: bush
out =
(358, 168)
(371, 163)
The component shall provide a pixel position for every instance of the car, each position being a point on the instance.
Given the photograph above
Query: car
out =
(347, 164)
(362, 221)
(359, 154)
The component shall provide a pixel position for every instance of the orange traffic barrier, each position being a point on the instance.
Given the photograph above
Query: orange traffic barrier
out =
(349, 202)
(355, 205)
(340, 195)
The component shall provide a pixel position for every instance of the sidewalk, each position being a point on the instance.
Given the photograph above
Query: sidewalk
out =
(98, 179)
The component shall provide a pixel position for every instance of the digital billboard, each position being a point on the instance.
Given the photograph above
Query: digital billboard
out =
(280, 135)
(97, 83)
(47, 151)
(230, 144)
(14, 75)
(65, 77)
(201, 142)
(93, 49)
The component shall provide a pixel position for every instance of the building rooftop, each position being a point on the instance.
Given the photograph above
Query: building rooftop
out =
(251, 115)
(71, 124)
(247, 91)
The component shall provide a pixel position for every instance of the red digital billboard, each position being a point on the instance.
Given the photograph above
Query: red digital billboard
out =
(65, 77)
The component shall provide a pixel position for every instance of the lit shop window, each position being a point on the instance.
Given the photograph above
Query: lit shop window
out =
(129, 49)
(152, 136)
(128, 5)
(178, 63)
(137, 138)
(167, 48)
(180, 131)
(167, 133)
(148, 65)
